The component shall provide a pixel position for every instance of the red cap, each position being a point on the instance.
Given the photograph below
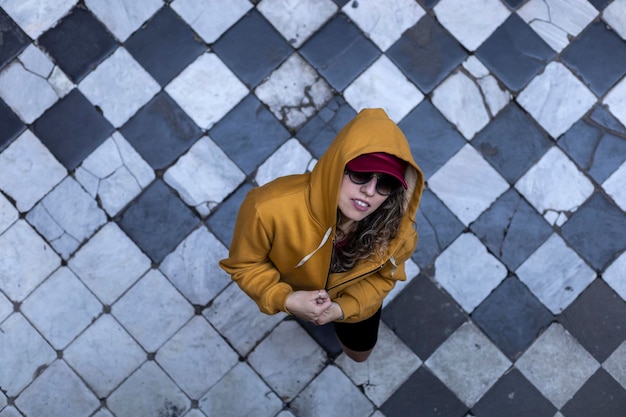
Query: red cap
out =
(380, 162)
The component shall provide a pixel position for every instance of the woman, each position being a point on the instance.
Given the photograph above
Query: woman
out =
(329, 245)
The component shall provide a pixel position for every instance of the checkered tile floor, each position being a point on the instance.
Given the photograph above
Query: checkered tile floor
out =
(131, 130)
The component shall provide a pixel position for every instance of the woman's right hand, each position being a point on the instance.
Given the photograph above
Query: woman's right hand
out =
(308, 305)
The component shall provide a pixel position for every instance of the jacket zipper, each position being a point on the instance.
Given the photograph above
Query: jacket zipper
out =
(354, 278)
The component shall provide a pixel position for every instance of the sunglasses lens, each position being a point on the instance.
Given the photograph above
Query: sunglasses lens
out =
(386, 185)
(360, 177)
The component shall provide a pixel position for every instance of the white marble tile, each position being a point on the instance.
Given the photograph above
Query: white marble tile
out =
(555, 186)
(8, 213)
(557, 365)
(123, 17)
(412, 271)
(615, 16)
(297, 20)
(152, 303)
(389, 366)
(148, 392)
(202, 345)
(36, 16)
(3, 401)
(239, 320)
(66, 217)
(556, 99)
(384, 21)
(38, 64)
(290, 158)
(241, 393)
(114, 174)
(471, 21)
(616, 364)
(25, 262)
(109, 263)
(207, 90)
(294, 92)
(467, 184)
(288, 347)
(194, 412)
(10, 412)
(104, 355)
(558, 21)
(615, 100)
(330, 388)
(6, 308)
(209, 18)
(615, 186)
(57, 392)
(23, 352)
(191, 267)
(383, 85)
(555, 274)
(119, 86)
(468, 363)
(468, 272)
(615, 275)
(204, 176)
(28, 171)
(495, 96)
(61, 308)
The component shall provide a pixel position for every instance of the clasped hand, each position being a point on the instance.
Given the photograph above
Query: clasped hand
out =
(313, 306)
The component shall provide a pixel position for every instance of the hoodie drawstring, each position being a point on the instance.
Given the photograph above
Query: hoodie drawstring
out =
(324, 240)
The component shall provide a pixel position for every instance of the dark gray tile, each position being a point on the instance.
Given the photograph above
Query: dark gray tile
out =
(426, 53)
(600, 4)
(13, 40)
(222, 220)
(514, 4)
(428, 4)
(10, 125)
(515, 53)
(598, 55)
(512, 318)
(600, 396)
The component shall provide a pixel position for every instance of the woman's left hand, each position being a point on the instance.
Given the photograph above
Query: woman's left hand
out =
(332, 313)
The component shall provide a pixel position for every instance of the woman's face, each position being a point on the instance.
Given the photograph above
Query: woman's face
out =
(357, 201)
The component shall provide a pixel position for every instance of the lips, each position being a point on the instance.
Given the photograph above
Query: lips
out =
(360, 205)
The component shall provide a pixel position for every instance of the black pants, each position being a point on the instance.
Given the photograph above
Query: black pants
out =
(361, 336)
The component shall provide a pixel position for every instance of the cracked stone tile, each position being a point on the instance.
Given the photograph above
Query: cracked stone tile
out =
(294, 92)
(614, 186)
(36, 16)
(290, 158)
(66, 217)
(555, 274)
(209, 18)
(297, 20)
(495, 97)
(114, 174)
(615, 16)
(555, 187)
(384, 21)
(123, 17)
(204, 176)
(8, 214)
(558, 21)
(384, 85)
(614, 276)
(616, 101)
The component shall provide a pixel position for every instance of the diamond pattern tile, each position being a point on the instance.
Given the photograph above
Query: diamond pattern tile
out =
(130, 133)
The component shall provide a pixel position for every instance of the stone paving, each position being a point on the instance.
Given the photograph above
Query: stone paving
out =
(130, 132)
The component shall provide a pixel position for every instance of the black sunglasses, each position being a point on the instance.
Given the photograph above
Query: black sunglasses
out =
(385, 184)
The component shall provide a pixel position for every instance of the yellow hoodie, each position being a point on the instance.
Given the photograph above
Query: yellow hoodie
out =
(285, 230)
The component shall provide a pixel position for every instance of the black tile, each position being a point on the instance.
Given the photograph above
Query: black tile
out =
(437, 228)
(318, 133)
(515, 53)
(511, 229)
(10, 125)
(512, 143)
(72, 128)
(513, 395)
(600, 396)
(596, 320)
(423, 395)
(164, 46)
(157, 221)
(598, 55)
(423, 316)
(161, 131)
(596, 149)
(78, 43)
(596, 231)
(252, 48)
(514, 4)
(432, 138)
(12, 39)
(426, 53)
(512, 317)
(249, 134)
(339, 51)
(222, 220)
(600, 4)
(428, 4)
(324, 336)
(341, 3)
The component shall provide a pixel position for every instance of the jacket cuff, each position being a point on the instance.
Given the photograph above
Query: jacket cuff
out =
(349, 306)
(277, 298)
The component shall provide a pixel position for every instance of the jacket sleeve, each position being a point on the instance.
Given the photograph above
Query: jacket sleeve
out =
(248, 262)
(362, 299)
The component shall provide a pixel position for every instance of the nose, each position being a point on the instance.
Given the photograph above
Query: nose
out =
(369, 188)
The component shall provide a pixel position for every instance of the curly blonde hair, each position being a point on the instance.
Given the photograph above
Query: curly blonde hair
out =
(372, 234)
